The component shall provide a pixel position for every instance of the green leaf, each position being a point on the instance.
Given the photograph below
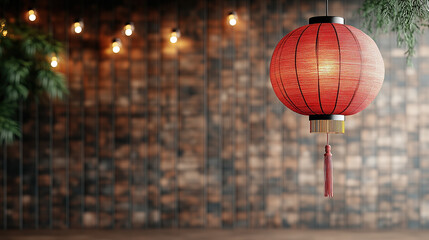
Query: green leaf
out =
(25, 71)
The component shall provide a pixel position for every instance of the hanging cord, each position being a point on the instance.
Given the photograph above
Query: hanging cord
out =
(327, 7)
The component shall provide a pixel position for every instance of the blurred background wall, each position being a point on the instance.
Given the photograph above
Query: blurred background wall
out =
(191, 134)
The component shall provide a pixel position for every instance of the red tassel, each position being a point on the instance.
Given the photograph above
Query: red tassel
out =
(329, 188)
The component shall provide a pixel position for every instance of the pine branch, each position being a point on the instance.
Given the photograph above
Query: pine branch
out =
(406, 18)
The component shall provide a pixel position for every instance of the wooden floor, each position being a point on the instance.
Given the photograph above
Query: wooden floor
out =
(212, 235)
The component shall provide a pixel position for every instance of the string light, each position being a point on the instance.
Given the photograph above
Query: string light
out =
(54, 61)
(2, 27)
(232, 18)
(174, 36)
(78, 26)
(128, 29)
(32, 15)
(116, 45)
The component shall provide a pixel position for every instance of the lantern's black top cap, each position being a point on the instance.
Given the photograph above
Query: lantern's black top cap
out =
(326, 19)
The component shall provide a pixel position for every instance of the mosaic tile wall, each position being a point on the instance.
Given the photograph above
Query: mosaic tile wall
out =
(192, 135)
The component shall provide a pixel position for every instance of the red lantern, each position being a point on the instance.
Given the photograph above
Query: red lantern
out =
(326, 70)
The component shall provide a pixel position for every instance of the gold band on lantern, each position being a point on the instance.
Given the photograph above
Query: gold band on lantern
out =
(327, 124)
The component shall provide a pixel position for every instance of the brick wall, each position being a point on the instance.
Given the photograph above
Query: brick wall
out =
(192, 135)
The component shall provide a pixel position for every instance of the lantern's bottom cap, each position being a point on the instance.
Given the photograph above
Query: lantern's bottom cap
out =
(327, 124)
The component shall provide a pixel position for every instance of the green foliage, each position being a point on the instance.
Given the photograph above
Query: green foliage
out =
(407, 18)
(25, 73)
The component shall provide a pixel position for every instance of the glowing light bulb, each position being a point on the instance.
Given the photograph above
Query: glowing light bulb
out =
(32, 15)
(232, 18)
(128, 29)
(174, 36)
(128, 32)
(2, 29)
(232, 22)
(78, 26)
(54, 61)
(78, 29)
(116, 45)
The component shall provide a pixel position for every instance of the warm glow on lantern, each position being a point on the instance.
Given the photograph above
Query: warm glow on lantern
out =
(116, 45)
(327, 68)
(232, 18)
(4, 33)
(128, 29)
(32, 15)
(54, 61)
(174, 36)
(78, 26)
